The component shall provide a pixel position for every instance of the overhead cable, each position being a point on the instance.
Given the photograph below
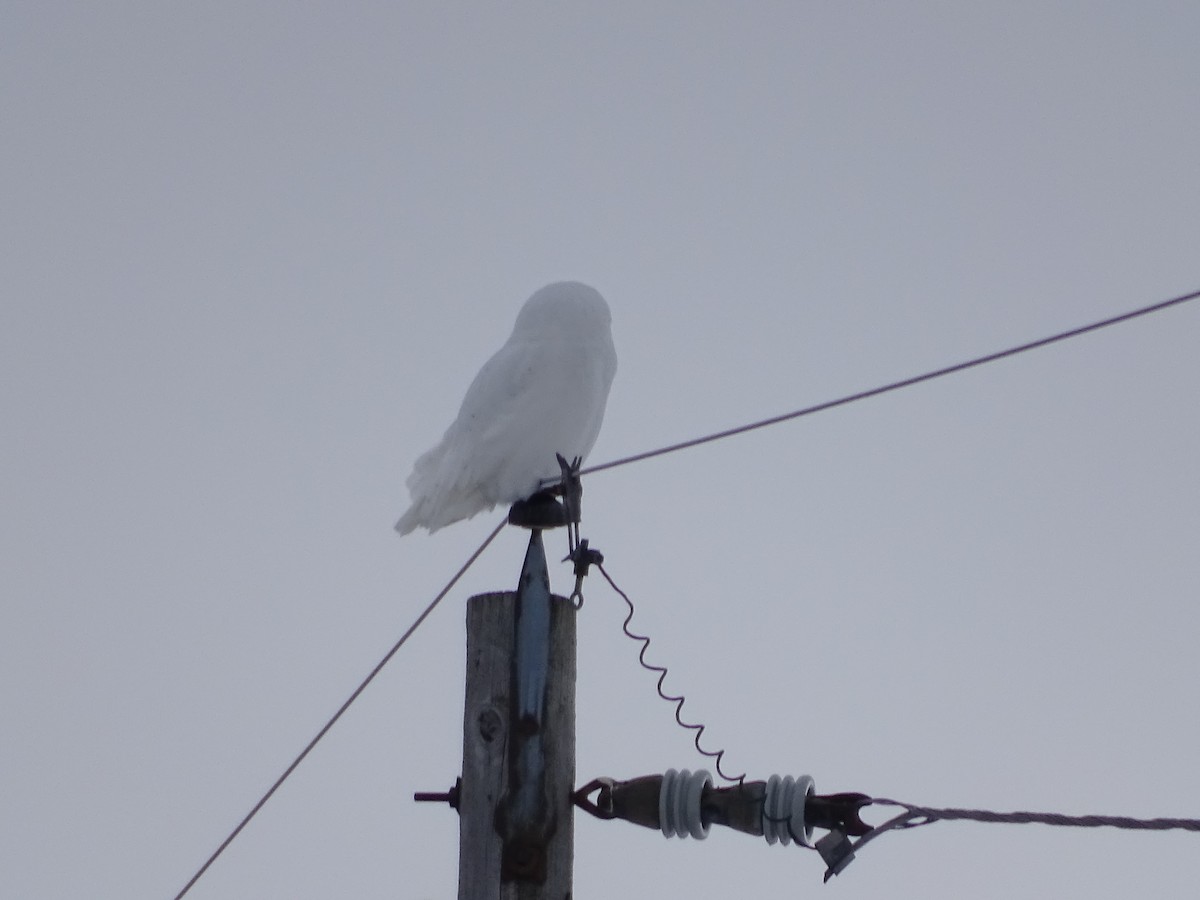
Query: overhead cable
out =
(838, 850)
(897, 385)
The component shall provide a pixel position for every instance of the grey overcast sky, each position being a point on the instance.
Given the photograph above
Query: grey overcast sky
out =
(253, 253)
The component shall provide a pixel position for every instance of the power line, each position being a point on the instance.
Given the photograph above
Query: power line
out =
(926, 815)
(897, 385)
(337, 715)
(838, 850)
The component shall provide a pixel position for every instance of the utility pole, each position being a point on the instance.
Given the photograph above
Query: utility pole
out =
(516, 826)
(514, 799)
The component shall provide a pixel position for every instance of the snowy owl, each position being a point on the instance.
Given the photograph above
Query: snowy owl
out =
(542, 394)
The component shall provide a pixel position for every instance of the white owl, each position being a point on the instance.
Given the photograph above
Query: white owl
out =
(542, 394)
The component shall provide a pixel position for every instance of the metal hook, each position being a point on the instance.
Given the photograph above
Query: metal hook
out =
(602, 807)
(838, 812)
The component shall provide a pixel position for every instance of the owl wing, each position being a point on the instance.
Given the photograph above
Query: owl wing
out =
(454, 480)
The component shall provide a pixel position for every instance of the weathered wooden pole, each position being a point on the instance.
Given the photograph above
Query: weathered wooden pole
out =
(516, 828)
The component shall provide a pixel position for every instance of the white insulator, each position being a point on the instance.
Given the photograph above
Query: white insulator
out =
(783, 810)
(679, 804)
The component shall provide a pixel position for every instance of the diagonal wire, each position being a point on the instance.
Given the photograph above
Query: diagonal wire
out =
(337, 715)
(897, 385)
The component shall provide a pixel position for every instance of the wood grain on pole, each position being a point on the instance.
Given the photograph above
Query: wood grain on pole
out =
(486, 719)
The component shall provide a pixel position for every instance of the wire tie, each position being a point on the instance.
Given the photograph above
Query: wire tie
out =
(584, 558)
